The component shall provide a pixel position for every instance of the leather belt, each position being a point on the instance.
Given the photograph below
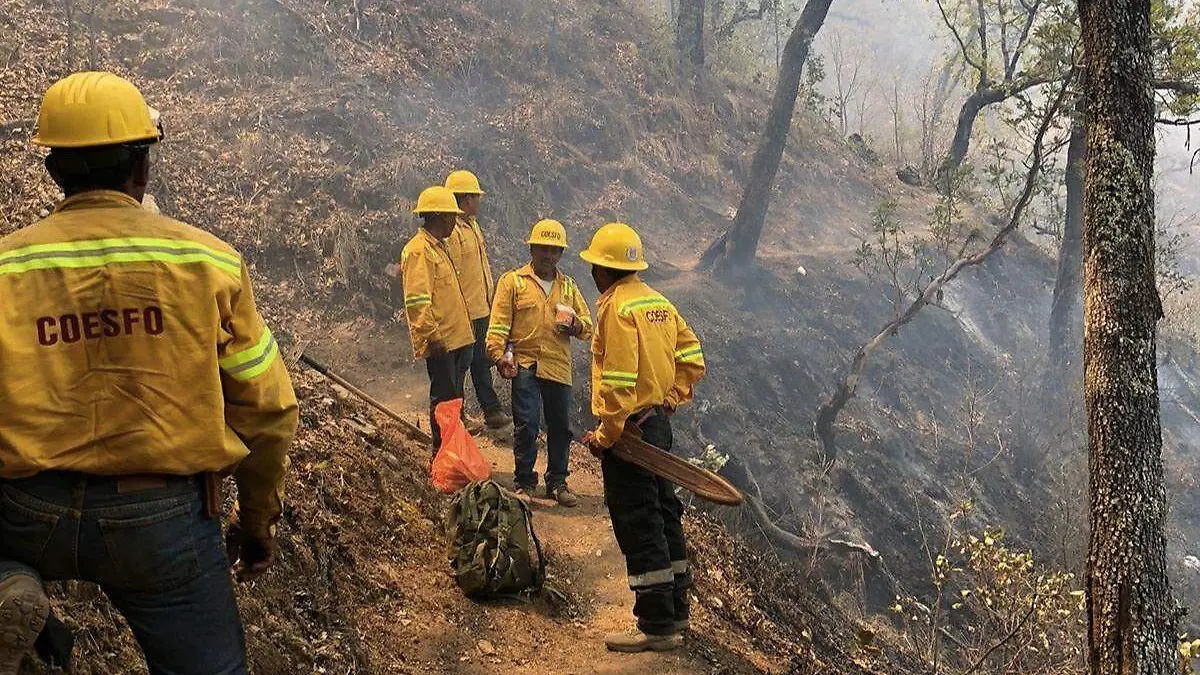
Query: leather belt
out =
(140, 482)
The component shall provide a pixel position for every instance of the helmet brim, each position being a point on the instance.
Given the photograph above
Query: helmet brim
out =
(634, 266)
(136, 139)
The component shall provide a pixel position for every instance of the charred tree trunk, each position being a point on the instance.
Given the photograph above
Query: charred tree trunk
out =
(689, 32)
(1131, 615)
(737, 247)
(975, 103)
(1066, 316)
(68, 9)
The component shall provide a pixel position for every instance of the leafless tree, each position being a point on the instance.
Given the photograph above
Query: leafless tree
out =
(896, 110)
(846, 63)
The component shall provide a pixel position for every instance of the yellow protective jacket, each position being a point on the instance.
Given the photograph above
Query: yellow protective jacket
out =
(474, 271)
(433, 300)
(643, 355)
(130, 343)
(522, 313)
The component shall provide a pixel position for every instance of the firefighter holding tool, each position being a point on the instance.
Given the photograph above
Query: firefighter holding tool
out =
(645, 363)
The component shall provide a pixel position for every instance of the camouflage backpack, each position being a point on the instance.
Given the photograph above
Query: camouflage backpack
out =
(493, 549)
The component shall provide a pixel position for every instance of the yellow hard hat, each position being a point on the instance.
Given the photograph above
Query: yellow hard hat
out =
(463, 183)
(436, 199)
(93, 109)
(548, 232)
(617, 247)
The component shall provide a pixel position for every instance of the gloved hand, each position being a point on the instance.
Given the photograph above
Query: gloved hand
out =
(249, 556)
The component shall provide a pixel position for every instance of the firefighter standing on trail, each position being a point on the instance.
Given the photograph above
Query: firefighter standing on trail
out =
(133, 365)
(537, 311)
(645, 363)
(469, 252)
(434, 302)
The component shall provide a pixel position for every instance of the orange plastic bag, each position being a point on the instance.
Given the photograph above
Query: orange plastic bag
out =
(458, 460)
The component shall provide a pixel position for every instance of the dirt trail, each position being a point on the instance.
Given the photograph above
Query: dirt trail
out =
(586, 565)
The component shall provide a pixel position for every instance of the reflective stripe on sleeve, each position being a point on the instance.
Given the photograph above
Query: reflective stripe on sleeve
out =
(499, 329)
(618, 379)
(250, 363)
(102, 252)
(418, 300)
(690, 354)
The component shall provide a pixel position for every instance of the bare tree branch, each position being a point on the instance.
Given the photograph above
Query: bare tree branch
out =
(742, 13)
(832, 406)
(962, 45)
(1003, 641)
(1004, 52)
(983, 40)
(1030, 17)
(1181, 122)
(1177, 86)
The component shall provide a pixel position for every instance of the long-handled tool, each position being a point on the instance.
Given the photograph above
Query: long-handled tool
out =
(706, 484)
(412, 429)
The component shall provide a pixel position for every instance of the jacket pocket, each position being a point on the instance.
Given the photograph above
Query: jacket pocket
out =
(25, 527)
(152, 552)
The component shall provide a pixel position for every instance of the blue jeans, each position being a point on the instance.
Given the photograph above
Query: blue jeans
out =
(531, 396)
(153, 551)
(481, 368)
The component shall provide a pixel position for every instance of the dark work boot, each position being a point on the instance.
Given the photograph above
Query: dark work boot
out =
(563, 495)
(496, 418)
(23, 610)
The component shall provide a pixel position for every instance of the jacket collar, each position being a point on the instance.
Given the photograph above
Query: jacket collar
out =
(527, 271)
(98, 199)
(607, 295)
(429, 238)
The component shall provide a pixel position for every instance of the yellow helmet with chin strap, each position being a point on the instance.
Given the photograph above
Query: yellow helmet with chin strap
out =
(616, 246)
(548, 232)
(94, 109)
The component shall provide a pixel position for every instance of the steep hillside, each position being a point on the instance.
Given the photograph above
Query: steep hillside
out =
(362, 583)
(300, 131)
(301, 140)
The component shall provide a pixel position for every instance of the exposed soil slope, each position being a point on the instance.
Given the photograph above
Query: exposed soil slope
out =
(363, 582)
